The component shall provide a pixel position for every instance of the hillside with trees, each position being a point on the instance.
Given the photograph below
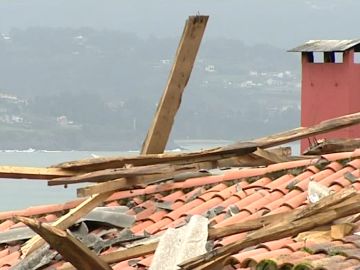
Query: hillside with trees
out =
(98, 89)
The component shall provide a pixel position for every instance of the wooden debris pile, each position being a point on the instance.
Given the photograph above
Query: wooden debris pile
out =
(327, 211)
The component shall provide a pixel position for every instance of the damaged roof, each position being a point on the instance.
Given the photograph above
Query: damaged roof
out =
(327, 45)
(233, 196)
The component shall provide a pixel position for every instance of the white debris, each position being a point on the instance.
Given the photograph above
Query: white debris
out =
(317, 191)
(178, 245)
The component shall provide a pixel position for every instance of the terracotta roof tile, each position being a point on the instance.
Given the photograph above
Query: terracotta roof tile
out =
(6, 225)
(303, 185)
(240, 257)
(255, 259)
(11, 259)
(330, 179)
(343, 155)
(354, 163)
(296, 201)
(277, 244)
(345, 180)
(282, 181)
(4, 252)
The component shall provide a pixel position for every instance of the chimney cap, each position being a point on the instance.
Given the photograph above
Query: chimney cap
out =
(327, 45)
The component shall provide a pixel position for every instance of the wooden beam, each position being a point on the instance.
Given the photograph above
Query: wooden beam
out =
(68, 246)
(158, 134)
(305, 132)
(117, 184)
(18, 172)
(112, 174)
(67, 220)
(239, 148)
(190, 172)
(122, 255)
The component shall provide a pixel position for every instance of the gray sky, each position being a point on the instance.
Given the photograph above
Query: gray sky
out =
(283, 23)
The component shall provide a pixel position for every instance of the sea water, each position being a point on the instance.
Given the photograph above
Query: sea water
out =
(19, 193)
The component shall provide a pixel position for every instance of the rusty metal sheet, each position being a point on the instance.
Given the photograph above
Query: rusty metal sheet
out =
(326, 45)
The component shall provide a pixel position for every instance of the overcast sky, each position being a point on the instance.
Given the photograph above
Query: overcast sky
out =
(283, 23)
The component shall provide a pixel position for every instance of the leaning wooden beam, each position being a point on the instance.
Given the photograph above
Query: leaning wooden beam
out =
(237, 148)
(274, 232)
(158, 134)
(33, 173)
(68, 246)
(68, 220)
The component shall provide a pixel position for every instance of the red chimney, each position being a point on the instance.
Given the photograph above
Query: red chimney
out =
(330, 83)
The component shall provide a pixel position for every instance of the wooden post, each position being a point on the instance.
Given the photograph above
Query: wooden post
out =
(158, 134)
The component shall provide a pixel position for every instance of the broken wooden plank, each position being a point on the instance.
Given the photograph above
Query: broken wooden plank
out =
(162, 171)
(173, 158)
(239, 148)
(334, 199)
(143, 181)
(305, 132)
(333, 146)
(132, 172)
(117, 184)
(68, 220)
(274, 232)
(271, 156)
(159, 131)
(68, 246)
(339, 231)
(18, 172)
